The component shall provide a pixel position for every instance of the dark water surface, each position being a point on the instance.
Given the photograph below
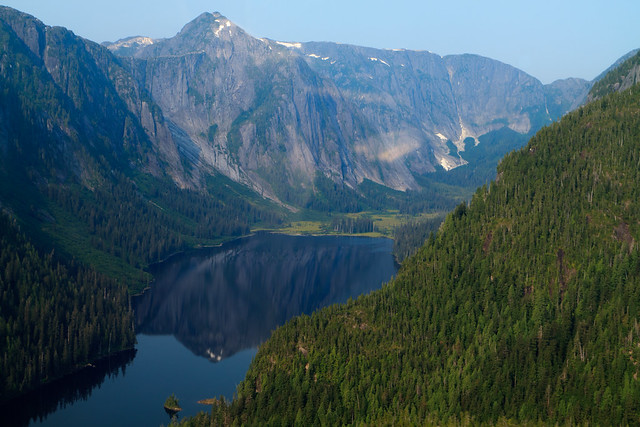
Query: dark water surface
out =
(199, 326)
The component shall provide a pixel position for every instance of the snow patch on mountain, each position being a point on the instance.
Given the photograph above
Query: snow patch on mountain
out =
(324, 58)
(290, 45)
(447, 164)
(379, 60)
(137, 41)
(224, 24)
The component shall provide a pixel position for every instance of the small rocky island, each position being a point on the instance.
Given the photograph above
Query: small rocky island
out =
(172, 405)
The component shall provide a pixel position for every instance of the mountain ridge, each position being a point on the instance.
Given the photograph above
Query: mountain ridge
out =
(621, 76)
(403, 130)
(523, 308)
(616, 64)
(70, 68)
(120, 161)
(86, 152)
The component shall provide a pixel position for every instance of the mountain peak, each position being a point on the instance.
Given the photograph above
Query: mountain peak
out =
(207, 24)
(205, 18)
(202, 34)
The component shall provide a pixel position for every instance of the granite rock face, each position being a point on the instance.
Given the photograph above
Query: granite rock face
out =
(623, 74)
(251, 109)
(85, 100)
(274, 114)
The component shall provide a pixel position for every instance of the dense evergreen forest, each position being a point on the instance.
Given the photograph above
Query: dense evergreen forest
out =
(329, 196)
(55, 316)
(92, 205)
(138, 230)
(352, 225)
(524, 307)
(625, 74)
(88, 209)
(82, 176)
(409, 237)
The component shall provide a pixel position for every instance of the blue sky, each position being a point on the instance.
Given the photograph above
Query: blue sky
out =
(549, 39)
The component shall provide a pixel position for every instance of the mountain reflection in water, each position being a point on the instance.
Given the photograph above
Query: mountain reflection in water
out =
(223, 300)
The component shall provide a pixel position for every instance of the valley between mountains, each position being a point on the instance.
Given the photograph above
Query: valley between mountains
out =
(517, 300)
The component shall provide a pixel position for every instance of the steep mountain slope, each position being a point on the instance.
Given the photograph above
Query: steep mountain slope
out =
(273, 114)
(565, 95)
(424, 100)
(404, 95)
(89, 165)
(85, 95)
(524, 307)
(621, 77)
(257, 114)
(55, 316)
(89, 197)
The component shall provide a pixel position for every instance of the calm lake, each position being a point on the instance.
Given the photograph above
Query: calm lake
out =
(200, 325)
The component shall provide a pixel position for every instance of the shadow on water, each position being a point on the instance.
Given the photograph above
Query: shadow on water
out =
(223, 300)
(40, 403)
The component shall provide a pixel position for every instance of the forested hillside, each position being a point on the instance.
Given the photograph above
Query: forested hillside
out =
(98, 184)
(409, 237)
(56, 316)
(89, 173)
(523, 307)
(619, 78)
(82, 173)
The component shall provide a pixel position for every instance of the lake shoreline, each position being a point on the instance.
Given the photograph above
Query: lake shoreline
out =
(207, 312)
(78, 370)
(244, 236)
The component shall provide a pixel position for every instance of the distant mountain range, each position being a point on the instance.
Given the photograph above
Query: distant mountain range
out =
(522, 309)
(165, 127)
(118, 156)
(273, 114)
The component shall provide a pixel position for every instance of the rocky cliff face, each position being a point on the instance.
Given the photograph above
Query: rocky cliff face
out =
(565, 95)
(89, 106)
(621, 76)
(274, 114)
(439, 99)
(251, 109)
